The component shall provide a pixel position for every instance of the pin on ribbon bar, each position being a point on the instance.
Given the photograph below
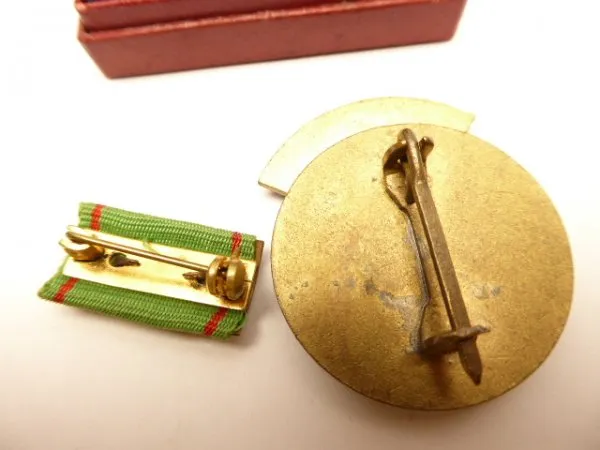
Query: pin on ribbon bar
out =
(224, 277)
(165, 273)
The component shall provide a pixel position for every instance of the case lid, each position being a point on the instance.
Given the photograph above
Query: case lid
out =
(98, 15)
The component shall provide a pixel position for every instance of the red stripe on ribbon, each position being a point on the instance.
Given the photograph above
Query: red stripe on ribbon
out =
(236, 241)
(97, 217)
(215, 320)
(64, 290)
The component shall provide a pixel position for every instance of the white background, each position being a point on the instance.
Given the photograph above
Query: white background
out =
(191, 146)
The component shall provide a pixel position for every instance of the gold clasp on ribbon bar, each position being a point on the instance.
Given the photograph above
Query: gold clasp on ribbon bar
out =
(216, 280)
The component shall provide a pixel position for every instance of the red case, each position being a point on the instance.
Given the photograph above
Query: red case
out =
(111, 14)
(143, 37)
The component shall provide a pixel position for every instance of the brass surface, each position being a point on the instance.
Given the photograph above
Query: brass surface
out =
(328, 129)
(346, 273)
(162, 270)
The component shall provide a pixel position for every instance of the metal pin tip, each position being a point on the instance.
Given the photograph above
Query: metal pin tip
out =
(473, 367)
(476, 377)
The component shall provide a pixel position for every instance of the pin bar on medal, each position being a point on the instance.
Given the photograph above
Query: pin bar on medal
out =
(409, 157)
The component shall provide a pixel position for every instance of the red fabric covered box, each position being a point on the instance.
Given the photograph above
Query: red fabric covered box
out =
(143, 37)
